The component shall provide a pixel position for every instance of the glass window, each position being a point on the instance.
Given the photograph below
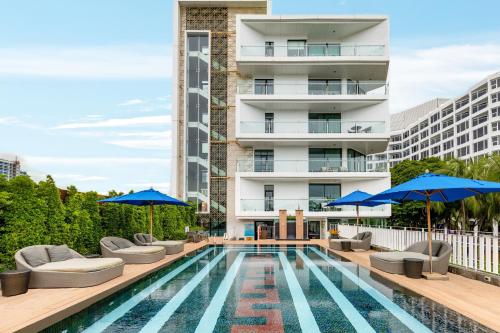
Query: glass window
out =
(462, 139)
(264, 86)
(356, 161)
(435, 117)
(448, 145)
(462, 115)
(324, 87)
(435, 128)
(424, 124)
(481, 145)
(447, 110)
(495, 98)
(480, 119)
(479, 132)
(264, 160)
(447, 122)
(320, 194)
(325, 159)
(435, 139)
(462, 126)
(435, 150)
(495, 112)
(324, 123)
(269, 49)
(424, 134)
(448, 134)
(296, 48)
(464, 151)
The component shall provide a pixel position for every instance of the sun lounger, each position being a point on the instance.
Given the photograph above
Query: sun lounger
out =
(115, 247)
(171, 246)
(70, 270)
(360, 242)
(392, 262)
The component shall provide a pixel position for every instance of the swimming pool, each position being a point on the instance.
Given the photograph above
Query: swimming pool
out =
(265, 289)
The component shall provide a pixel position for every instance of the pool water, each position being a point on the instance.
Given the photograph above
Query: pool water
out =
(252, 289)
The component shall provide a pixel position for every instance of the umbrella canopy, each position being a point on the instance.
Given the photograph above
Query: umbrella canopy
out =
(145, 198)
(149, 198)
(359, 198)
(435, 187)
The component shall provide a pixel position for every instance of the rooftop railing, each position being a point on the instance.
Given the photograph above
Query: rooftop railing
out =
(313, 50)
(312, 127)
(311, 165)
(314, 88)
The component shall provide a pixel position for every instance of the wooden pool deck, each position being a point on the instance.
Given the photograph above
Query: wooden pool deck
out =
(39, 308)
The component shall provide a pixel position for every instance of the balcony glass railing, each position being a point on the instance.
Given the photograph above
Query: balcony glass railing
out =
(314, 88)
(311, 165)
(312, 127)
(308, 205)
(312, 50)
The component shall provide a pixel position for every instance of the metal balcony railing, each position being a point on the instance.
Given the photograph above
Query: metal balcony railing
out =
(306, 204)
(310, 165)
(314, 88)
(312, 127)
(312, 50)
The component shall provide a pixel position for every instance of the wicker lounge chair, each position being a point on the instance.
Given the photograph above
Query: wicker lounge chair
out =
(74, 272)
(115, 247)
(171, 246)
(360, 242)
(193, 236)
(392, 262)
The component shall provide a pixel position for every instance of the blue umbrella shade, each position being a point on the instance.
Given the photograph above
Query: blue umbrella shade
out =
(145, 198)
(436, 187)
(359, 198)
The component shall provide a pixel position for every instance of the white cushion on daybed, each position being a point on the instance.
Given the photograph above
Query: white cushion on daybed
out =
(140, 249)
(399, 256)
(80, 265)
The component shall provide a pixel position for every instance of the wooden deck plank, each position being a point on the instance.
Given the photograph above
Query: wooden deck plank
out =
(39, 308)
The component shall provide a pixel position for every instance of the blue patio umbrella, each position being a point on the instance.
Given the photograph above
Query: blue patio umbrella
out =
(149, 198)
(435, 187)
(359, 198)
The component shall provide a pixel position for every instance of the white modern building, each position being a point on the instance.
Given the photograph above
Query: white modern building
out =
(10, 168)
(302, 102)
(465, 127)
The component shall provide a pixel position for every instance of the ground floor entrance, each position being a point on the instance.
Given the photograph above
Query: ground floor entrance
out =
(264, 229)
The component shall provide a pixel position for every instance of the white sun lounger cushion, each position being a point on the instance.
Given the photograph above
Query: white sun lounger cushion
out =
(80, 265)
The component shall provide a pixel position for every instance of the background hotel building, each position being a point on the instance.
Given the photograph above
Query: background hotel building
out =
(277, 113)
(465, 127)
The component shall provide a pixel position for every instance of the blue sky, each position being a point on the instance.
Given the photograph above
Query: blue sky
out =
(85, 84)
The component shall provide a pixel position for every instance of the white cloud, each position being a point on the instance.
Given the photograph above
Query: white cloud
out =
(135, 101)
(119, 122)
(159, 186)
(39, 161)
(9, 120)
(423, 74)
(77, 177)
(142, 144)
(95, 62)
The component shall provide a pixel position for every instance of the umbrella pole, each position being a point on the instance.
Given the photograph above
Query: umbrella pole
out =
(357, 222)
(151, 224)
(429, 233)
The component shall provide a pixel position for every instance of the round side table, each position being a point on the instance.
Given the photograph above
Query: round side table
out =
(15, 282)
(413, 267)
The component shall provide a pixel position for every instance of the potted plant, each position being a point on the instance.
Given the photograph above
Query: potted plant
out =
(334, 234)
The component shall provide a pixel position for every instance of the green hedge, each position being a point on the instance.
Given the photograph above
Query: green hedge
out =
(33, 213)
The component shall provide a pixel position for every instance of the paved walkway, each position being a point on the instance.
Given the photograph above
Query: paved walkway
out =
(39, 308)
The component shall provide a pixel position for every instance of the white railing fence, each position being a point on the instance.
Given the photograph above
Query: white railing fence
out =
(478, 251)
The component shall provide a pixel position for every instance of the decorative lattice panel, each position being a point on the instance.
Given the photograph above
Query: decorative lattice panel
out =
(216, 20)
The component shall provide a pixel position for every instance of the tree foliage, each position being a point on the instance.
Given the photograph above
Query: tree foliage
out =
(479, 210)
(33, 213)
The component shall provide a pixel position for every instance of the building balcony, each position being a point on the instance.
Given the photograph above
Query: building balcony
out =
(330, 128)
(318, 90)
(365, 136)
(311, 50)
(312, 207)
(311, 168)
